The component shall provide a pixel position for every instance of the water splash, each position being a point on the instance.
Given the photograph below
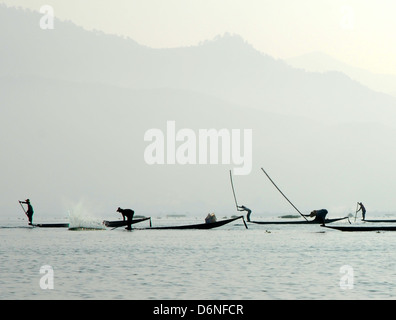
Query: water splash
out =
(81, 219)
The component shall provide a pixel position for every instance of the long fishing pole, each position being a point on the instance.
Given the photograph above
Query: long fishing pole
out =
(284, 194)
(233, 191)
(23, 208)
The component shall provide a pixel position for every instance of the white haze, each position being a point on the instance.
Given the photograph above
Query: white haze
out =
(360, 33)
(75, 106)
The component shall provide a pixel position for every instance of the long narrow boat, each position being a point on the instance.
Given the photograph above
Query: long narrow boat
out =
(385, 220)
(305, 221)
(50, 225)
(315, 221)
(362, 228)
(106, 223)
(63, 225)
(122, 223)
(211, 225)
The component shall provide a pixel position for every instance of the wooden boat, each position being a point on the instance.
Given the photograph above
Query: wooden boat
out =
(86, 228)
(305, 221)
(63, 225)
(315, 221)
(385, 220)
(362, 228)
(109, 224)
(50, 225)
(122, 223)
(200, 225)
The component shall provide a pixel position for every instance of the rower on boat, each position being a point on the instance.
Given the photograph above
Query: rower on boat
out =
(243, 208)
(128, 214)
(320, 215)
(29, 211)
(363, 210)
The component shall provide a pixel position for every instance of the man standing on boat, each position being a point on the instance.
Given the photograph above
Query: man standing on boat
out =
(320, 215)
(243, 208)
(29, 211)
(128, 214)
(363, 210)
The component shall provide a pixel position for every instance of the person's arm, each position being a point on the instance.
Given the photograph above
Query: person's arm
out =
(309, 215)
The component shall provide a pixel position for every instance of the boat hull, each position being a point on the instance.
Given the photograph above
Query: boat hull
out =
(51, 225)
(362, 228)
(375, 221)
(122, 223)
(299, 222)
(198, 226)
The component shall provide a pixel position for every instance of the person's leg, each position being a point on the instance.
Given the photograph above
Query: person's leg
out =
(30, 217)
(129, 220)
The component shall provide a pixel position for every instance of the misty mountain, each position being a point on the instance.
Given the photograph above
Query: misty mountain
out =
(226, 67)
(75, 106)
(320, 62)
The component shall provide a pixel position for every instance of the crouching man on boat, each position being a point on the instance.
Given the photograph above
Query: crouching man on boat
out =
(128, 214)
(243, 208)
(320, 215)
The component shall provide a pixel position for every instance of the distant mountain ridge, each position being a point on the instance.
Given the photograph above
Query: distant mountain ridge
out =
(320, 62)
(226, 67)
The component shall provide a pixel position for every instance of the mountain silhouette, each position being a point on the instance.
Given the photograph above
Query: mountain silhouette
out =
(320, 62)
(76, 105)
(226, 67)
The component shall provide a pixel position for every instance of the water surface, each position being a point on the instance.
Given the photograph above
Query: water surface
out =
(263, 262)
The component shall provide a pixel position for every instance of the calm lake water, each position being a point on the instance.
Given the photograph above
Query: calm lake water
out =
(228, 263)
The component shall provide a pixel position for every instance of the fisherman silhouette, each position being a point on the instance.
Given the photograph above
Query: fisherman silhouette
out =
(29, 211)
(320, 215)
(128, 214)
(245, 209)
(363, 210)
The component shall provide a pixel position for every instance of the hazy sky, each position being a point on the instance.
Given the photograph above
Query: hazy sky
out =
(358, 32)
